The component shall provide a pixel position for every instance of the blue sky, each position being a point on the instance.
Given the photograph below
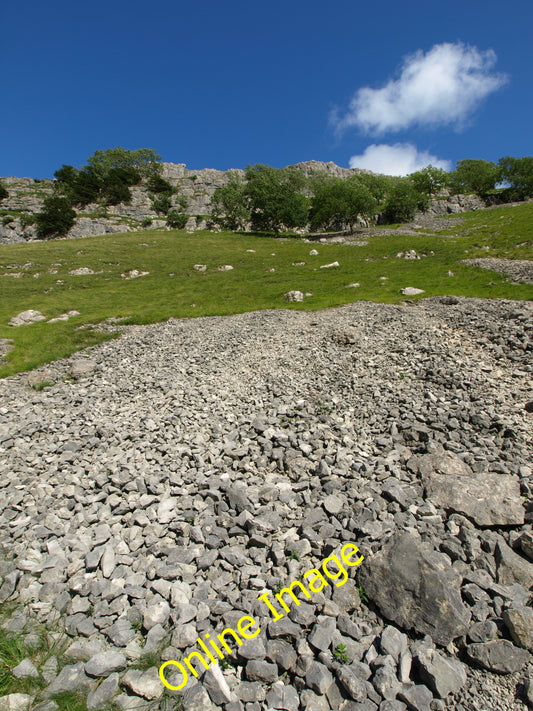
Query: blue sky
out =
(225, 84)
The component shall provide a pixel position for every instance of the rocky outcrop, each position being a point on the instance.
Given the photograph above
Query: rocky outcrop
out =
(455, 204)
(196, 186)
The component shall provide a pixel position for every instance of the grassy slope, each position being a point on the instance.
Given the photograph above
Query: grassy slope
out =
(174, 289)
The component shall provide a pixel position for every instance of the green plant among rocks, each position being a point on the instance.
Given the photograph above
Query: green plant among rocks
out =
(340, 654)
(42, 385)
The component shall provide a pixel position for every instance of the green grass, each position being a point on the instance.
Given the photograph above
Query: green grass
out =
(70, 701)
(174, 289)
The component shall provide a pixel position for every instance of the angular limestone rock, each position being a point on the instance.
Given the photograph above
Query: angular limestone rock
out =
(488, 498)
(499, 656)
(410, 584)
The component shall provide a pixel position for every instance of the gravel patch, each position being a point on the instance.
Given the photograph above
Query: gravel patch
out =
(517, 269)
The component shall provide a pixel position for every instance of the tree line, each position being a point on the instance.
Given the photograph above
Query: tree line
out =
(275, 199)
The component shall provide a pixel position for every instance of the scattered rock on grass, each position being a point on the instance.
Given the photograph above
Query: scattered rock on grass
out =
(26, 317)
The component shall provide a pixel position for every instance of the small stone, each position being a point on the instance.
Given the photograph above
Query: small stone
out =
(411, 291)
(26, 317)
(82, 271)
(386, 682)
(16, 702)
(144, 683)
(283, 697)
(105, 663)
(318, 678)
(25, 670)
(216, 686)
(258, 670)
(82, 368)
(107, 562)
(322, 633)
(157, 614)
(417, 697)
(293, 296)
(196, 698)
(500, 656)
(519, 622)
(70, 678)
(442, 674)
(351, 683)
(98, 700)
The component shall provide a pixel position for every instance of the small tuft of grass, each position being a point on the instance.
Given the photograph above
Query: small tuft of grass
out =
(42, 385)
(70, 701)
(362, 594)
(147, 660)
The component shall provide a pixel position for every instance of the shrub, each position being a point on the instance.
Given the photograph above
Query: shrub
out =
(158, 185)
(85, 189)
(6, 219)
(56, 218)
(162, 204)
(176, 220)
(66, 177)
(144, 160)
(26, 220)
(115, 193)
(3, 191)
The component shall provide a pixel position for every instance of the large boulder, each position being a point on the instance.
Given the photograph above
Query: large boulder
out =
(415, 587)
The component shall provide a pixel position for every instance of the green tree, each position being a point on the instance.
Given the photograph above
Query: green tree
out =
(56, 218)
(379, 185)
(145, 160)
(157, 184)
(338, 201)
(66, 177)
(429, 180)
(275, 199)
(474, 175)
(85, 189)
(230, 203)
(403, 201)
(116, 185)
(3, 191)
(518, 172)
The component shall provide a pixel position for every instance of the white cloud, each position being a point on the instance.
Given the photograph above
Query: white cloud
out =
(399, 159)
(441, 87)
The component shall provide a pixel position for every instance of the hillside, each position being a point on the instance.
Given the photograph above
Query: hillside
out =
(195, 187)
(79, 288)
(311, 450)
